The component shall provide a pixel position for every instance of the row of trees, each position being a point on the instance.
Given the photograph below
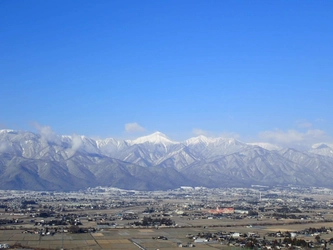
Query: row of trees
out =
(148, 221)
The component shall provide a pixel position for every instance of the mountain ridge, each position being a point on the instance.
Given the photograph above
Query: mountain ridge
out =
(52, 162)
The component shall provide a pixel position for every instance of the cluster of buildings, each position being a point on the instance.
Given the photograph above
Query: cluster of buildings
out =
(102, 208)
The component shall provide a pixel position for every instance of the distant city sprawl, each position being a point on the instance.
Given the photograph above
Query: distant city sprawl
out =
(111, 218)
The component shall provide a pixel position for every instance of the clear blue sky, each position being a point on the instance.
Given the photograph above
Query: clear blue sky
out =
(179, 67)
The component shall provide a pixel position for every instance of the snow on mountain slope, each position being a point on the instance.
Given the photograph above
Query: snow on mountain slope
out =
(155, 138)
(178, 158)
(265, 145)
(154, 161)
(111, 147)
(322, 145)
(212, 147)
(201, 139)
(325, 149)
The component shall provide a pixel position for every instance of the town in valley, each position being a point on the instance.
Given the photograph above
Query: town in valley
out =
(258, 217)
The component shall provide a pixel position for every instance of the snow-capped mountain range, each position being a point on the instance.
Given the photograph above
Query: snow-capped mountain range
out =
(47, 161)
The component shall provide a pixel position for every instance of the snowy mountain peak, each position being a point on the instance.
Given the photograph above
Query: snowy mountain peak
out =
(199, 139)
(231, 141)
(6, 131)
(154, 162)
(321, 145)
(265, 145)
(155, 138)
(325, 149)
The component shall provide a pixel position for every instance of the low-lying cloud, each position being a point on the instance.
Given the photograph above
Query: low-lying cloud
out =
(198, 131)
(76, 142)
(3, 147)
(134, 128)
(47, 134)
(293, 137)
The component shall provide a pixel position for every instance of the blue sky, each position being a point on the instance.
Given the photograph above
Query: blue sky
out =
(256, 70)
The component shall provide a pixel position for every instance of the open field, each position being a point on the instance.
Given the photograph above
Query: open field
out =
(123, 238)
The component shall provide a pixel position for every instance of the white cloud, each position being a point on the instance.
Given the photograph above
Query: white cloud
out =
(316, 133)
(47, 134)
(293, 137)
(133, 128)
(198, 131)
(76, 142)
(3, 147)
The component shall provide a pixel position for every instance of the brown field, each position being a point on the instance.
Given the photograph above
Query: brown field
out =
(121, 238)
